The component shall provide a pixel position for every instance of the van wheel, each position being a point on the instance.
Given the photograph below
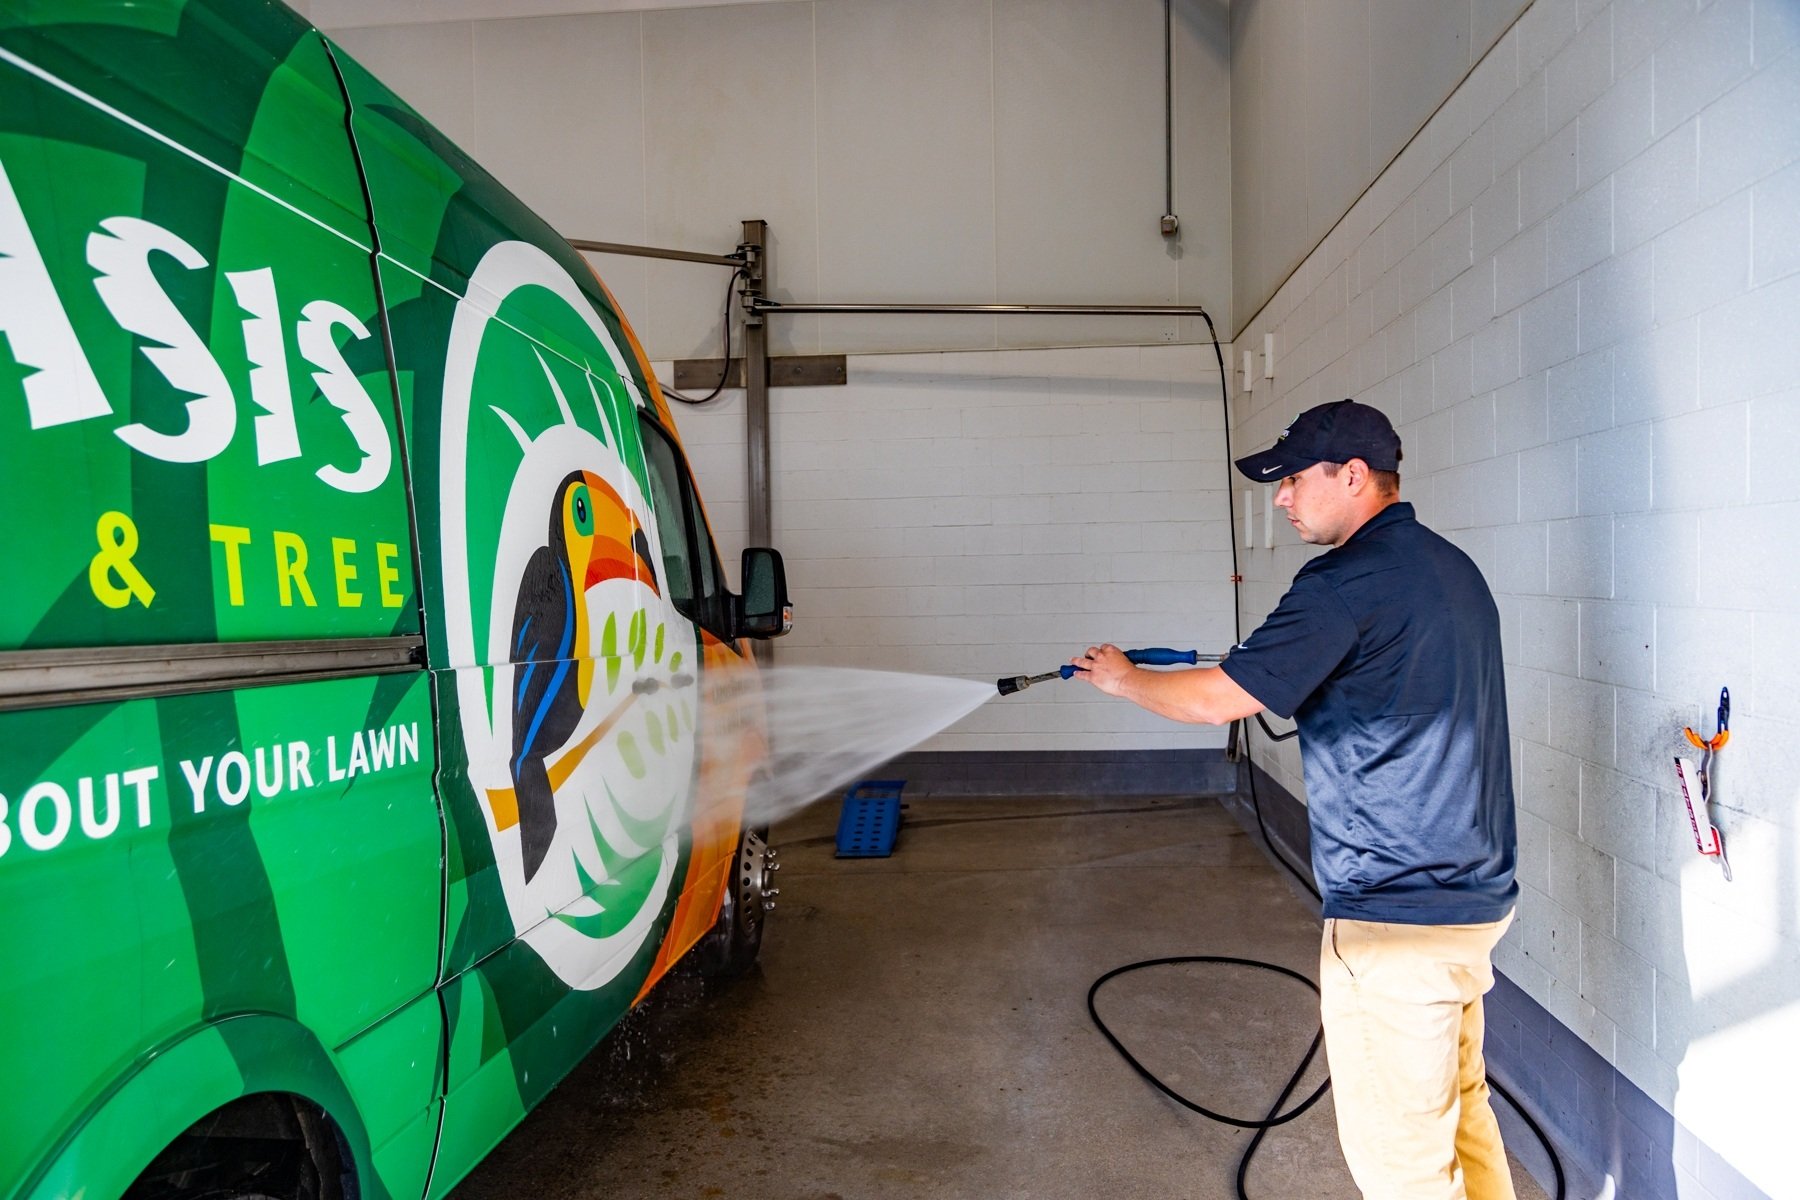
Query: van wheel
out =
(262, 1147)
(730, 948)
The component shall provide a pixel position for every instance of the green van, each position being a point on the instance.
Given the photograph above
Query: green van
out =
(356, 773)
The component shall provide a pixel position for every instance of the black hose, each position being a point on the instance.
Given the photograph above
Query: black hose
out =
(1268, 1122)
(725, 370)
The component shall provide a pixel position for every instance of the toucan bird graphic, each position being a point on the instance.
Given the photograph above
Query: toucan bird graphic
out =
(593, 537)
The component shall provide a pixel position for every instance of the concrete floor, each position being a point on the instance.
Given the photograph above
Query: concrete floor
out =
(918, 1027)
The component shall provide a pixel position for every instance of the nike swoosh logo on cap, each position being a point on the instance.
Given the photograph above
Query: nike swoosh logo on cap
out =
(1267, 470)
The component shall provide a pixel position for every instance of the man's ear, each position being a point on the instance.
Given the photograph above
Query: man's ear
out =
(1357, 471)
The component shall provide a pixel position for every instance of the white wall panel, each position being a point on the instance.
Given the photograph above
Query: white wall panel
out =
(349, 14)
(1326, 95)
(1203, 167)
(966, 151)
(730, 134)
(906, 160)
(1098, 161)
(582, 172)
(431, 67)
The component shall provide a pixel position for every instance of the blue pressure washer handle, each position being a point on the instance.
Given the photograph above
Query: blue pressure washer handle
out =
(1152, 656)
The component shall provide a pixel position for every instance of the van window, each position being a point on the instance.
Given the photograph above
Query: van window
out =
(665, 494)
(696, 584)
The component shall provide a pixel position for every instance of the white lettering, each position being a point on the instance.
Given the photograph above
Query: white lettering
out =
(31, 830)
(90, 820)
(141, 779)
(128, 286)
(409, 743)
(381, 748)
(5, 833)
(298, 754)
(265, 786)
(61, 386)
(359, 755)
(333, 772)
(344, 392)
(233, 793)
(196, 780)
(277, 440)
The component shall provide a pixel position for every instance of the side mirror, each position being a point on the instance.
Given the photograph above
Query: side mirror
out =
(764, 610)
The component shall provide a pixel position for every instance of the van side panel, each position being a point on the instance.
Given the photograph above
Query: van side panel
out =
(566, 680)
(229, 890)
(195, 406)
(172, 865)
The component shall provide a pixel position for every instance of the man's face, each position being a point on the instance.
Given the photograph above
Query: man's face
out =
(1317, 504)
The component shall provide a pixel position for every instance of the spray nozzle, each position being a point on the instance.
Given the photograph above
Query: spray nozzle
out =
(1019, 683)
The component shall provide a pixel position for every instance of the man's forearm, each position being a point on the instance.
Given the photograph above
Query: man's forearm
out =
(1201, 696)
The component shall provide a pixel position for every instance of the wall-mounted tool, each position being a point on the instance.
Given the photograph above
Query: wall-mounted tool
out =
(1698, 780)
(1152, 656)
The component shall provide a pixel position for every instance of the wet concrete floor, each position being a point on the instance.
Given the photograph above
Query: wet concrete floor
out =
(918, 1026)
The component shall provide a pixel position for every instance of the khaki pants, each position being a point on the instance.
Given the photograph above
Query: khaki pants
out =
(1401, 1006)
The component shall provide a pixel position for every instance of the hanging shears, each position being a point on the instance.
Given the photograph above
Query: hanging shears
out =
(1710, 843)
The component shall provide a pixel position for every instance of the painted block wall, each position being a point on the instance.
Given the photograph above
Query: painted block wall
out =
(963, 151)
(1577, 293)
(985, 514)
(1323, 96)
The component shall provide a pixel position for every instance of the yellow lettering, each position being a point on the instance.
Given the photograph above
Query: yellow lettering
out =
(118, 539)
(232, 537)
(290, 569)
(385, 554)
(341, 550)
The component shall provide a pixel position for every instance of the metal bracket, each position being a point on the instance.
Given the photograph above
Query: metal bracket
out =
(750, 280)
(795, 370)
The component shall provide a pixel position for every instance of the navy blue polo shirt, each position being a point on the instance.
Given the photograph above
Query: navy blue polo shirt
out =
(1386, 652)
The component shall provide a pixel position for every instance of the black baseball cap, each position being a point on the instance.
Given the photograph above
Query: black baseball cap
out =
(1334, 433)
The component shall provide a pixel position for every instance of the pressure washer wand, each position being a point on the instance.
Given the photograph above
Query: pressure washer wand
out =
(1152, 656)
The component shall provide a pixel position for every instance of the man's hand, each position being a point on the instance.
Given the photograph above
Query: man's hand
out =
(1106, 667)
(1203, 696)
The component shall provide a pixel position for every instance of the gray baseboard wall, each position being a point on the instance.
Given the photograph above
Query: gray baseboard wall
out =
(1122, 773)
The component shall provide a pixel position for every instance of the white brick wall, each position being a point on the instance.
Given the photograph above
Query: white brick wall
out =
(985, 514)
(1590, 341)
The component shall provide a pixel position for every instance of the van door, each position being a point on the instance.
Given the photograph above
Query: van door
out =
(555, 650)
(219, 847)
(733, 740)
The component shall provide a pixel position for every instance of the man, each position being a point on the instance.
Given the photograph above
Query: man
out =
(1386, 652)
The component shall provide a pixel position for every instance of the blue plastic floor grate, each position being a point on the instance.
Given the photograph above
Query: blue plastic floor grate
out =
(870, 820)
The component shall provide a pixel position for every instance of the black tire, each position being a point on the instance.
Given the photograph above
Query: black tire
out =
(263, 1147)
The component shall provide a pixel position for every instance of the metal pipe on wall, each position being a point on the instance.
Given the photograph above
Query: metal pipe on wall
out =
(756, 383)
(756, 392)
(781, 307)
(717, 260)
(1171, 224)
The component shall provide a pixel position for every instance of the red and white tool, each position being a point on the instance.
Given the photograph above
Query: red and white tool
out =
(1697, 780)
